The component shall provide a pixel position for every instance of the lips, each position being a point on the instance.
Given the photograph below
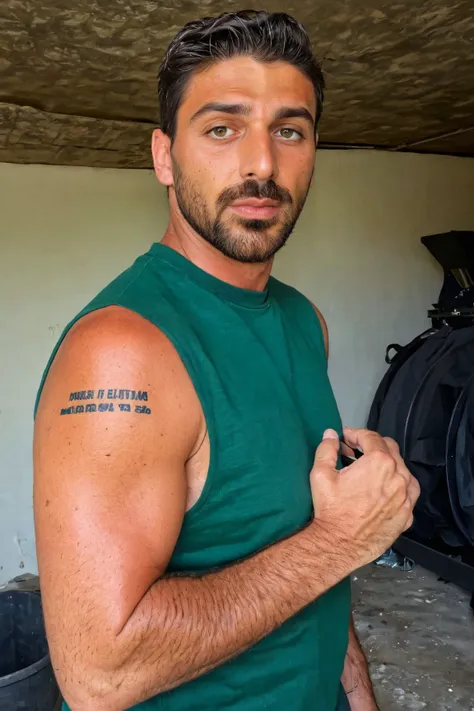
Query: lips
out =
(254, 208)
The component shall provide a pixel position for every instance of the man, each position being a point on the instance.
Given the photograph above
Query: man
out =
(194, 552)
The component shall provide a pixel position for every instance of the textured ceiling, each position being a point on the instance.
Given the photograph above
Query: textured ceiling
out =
(78, 79)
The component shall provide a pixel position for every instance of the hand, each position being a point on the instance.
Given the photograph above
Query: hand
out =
(368, 504)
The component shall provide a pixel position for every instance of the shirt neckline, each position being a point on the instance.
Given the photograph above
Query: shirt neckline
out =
(228, 292)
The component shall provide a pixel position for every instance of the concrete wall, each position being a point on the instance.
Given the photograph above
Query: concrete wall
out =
(356, 253)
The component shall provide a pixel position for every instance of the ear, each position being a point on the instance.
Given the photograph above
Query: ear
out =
(161, 151)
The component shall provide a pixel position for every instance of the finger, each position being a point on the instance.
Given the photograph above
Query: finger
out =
(408, 506)
(365, 440)
(414, 491)
(328, 451)
(392, 445)
(394, 450)
(347, 451)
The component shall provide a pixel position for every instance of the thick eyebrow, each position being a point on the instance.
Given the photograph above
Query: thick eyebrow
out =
(235, 109)
(286, 112)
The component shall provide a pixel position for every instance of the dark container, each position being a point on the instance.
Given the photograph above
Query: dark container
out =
(26, 676)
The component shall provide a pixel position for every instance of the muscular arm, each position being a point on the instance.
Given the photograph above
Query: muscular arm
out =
(110, 496)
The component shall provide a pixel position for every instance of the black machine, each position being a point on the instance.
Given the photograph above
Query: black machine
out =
(426, 403)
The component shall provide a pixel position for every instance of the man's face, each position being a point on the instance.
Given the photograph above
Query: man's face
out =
(243, 155)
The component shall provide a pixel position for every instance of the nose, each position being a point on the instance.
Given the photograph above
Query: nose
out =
(257, 157)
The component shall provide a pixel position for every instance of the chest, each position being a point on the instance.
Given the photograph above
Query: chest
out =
(248, 485)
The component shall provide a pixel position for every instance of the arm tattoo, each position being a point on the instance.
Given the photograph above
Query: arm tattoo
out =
(109, 400)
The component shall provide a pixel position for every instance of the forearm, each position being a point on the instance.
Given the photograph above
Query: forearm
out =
(186, 626)
(355, 677)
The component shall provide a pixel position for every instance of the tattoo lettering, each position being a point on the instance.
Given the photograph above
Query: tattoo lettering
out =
(107, 395)
(106, 407)
(112, 394)
(82, 395)
(127, 395)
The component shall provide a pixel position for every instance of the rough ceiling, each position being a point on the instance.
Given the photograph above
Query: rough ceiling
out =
(78, 79)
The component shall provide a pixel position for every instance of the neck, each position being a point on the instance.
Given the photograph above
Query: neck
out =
(181, 237)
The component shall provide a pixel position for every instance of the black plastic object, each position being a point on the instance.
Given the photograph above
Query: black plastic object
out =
(424, 442)
(414, 405)
(26, 676)
(455, 253)
(453, 250)
(402, 354)
(460, 462)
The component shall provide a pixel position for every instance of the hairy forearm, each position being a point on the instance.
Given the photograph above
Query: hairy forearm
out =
(355, 677)
(186, 626)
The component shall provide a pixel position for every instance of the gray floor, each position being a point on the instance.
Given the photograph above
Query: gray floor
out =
(418, 635)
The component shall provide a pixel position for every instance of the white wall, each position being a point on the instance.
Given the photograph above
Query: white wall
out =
(356, 254)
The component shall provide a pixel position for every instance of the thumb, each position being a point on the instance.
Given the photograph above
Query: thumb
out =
(330, 434)
(328, 451)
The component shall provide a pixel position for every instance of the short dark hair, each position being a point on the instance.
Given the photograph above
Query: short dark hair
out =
(267, 37)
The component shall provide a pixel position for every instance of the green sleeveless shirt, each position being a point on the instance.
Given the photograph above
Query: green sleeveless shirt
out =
(258, 365)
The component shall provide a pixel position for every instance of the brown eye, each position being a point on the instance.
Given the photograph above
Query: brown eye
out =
(290, 134)
(220, 132)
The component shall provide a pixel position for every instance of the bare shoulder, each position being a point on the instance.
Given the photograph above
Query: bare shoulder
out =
(120, 338)
(324, 328)
(117, 358)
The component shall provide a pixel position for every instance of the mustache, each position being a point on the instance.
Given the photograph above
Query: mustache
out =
(253, 189)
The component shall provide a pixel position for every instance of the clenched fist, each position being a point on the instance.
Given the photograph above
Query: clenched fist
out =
(367, 505)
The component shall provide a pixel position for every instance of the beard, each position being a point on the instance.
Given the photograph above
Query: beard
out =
(244, 240)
